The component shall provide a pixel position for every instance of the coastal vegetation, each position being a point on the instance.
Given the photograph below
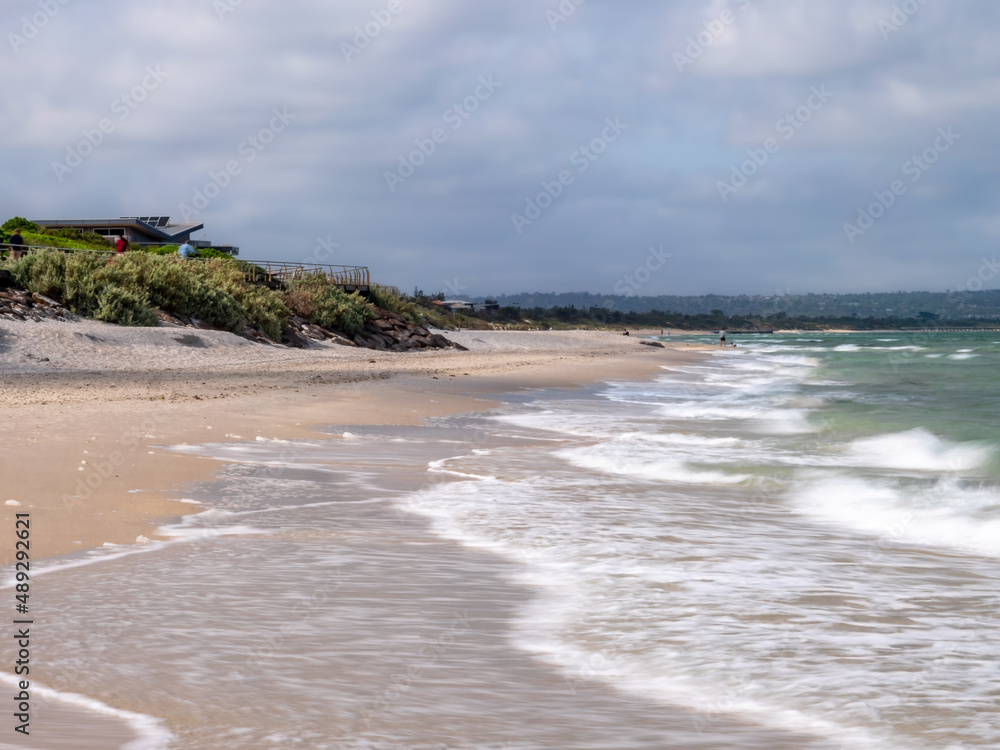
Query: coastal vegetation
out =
(131, 288)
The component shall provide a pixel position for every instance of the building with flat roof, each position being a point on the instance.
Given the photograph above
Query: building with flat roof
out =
(138, 230)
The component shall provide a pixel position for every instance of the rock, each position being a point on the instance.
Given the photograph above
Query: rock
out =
(44, 300)
(314, 332)
(436, 339)
(653, 343)
(338, 339)
(291, 337)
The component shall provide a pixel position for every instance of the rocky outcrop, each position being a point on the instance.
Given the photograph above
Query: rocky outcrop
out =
(16, 304)
(388, 332)
(302, 334)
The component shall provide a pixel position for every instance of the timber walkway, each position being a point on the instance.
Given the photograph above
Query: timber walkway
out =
(349, 278)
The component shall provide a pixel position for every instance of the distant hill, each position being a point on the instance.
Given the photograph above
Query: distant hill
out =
(950, 305)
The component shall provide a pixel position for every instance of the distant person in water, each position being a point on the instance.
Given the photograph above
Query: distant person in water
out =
(722, 338)
(186, 250)
(122, 245)
(16, 244)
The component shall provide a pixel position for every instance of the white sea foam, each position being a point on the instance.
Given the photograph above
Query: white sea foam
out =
(627, 458)
(151, 734)
(944, 514)
(869, 348)
(603, 614)
(668, 569)
(916, 450)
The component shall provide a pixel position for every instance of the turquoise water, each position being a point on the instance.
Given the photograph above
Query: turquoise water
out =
(944, 382)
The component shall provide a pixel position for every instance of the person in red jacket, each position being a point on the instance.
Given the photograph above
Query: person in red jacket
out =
(122, 245)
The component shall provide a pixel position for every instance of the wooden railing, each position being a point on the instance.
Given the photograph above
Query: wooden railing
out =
(350, 277)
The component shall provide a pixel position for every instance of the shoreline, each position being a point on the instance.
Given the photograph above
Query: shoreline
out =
(105, 480)
(451, 577)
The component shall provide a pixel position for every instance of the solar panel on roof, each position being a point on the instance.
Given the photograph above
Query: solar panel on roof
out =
(153, 221)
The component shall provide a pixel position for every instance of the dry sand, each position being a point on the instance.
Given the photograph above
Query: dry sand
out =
(86, 405)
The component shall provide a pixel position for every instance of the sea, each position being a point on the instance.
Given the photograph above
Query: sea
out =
(793, 543)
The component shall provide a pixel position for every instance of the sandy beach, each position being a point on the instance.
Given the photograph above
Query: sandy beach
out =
(551, 540)
(90, 408)
(88, 403)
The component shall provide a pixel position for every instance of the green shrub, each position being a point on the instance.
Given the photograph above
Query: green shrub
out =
(42, 273)
(386, 298)
(265, 310)
(79, 238)
(326, 305)
(125, 308)
(125, 288)
(18, 223)
(203, 252)
(175, 285)
(65, 238)
(263, 307)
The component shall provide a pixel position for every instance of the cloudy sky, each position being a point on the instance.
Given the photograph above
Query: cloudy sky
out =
(659, 147)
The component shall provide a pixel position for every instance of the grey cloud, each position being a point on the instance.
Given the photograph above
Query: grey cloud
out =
(324, 175)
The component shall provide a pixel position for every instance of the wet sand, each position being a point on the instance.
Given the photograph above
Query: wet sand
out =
(84, 425)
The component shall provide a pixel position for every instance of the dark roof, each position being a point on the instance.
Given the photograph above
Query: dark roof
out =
(155, 226)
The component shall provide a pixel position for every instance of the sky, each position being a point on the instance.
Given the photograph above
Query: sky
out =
(477, 148)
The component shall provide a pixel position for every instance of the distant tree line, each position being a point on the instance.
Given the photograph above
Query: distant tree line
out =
(713, 320)
(961, 304)
(559, 316)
